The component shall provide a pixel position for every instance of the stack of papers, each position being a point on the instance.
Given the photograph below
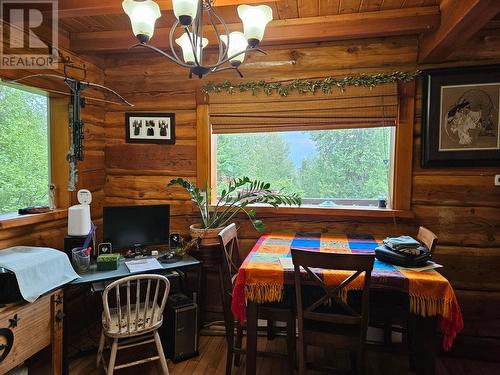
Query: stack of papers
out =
(144, 264)
(287, 263)
(428, 266)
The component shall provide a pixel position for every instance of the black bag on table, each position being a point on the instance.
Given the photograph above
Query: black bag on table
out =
(387, 255)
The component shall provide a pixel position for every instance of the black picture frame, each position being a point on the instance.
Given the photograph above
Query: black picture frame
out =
(447, 139)
(150, 127)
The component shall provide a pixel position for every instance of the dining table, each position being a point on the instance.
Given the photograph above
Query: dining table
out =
(264, 275)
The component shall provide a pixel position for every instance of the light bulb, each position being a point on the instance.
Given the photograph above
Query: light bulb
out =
(143, 15)
(237, 43)
(185, 10)
(255, 19)
(187, 49)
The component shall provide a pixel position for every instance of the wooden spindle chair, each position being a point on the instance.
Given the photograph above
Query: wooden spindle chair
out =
(133, 321)
(320, 324)
(229, 245)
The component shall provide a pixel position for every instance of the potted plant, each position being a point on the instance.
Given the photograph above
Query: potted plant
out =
(237, 198)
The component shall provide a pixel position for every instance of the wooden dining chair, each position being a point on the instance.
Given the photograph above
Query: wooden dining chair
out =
(330, 320)
(395, 319)
(427, 238)
(133, 321)
(229, 245)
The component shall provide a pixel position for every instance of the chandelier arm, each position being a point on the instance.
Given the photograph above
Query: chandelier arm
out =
(199, 32)
(249, 49)
(258, 50)
(223, 50)
(162, 53)
(216, 70)
(193, 47)
(171, 40)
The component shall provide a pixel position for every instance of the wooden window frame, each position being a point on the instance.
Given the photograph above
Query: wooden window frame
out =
(59, 143)
(402, 163)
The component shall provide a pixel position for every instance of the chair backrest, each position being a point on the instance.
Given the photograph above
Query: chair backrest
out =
(228, 239)
(358, 263)
(230, 264)
(428, 238)
(142, 313)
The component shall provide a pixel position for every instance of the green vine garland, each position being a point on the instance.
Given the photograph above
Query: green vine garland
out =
(326, 85)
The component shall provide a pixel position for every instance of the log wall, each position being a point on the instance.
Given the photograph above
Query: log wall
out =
(460, 205)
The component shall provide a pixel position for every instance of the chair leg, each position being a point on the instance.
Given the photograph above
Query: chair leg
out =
(238, 344)
(411, 344)
(302, 356)
(230, 344)
(229, 359)
(360, 363)
(101, 348)
(112, 357)
(388, 331)
(271, 335)
(161, 354)
(291, 344)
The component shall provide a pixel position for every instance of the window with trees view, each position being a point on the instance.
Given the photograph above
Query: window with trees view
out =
(341, 167)
(24, 148)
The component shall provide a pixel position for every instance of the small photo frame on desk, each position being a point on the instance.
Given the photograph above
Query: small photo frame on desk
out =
(144, 127)
(104, 248)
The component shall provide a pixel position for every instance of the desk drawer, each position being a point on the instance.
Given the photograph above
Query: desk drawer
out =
(31, 326)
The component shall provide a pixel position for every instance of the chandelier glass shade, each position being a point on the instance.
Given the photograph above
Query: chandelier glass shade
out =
(192, 16)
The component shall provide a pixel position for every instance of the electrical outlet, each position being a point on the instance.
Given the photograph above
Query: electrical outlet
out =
(497, 180)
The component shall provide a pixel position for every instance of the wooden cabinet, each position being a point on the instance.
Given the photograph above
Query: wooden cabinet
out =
(32, 327)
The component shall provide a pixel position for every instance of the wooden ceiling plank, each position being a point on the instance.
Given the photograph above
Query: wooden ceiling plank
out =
(370, 5)
(82, 8)
(349, 6)
(308, 8)
(391, 4)
(411, 21)
(329, 7)
(459, 22)
(413, 3)
(287, 9)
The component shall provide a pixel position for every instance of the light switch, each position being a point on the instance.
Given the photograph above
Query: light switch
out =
(497, 180)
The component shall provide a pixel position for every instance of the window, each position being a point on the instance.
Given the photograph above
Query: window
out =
(24, 148)
(328, 168)
(341, 150)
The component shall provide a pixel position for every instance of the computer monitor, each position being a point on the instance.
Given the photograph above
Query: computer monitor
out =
(126, 226)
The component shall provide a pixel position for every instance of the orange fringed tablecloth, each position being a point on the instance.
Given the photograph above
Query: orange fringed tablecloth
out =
(261, 277)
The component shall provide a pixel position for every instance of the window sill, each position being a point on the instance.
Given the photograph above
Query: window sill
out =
(362, 212)
(15, 220)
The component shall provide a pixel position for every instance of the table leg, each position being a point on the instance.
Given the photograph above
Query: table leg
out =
(251, 357)
(425, 345)
(57, 332)
(199, 296)
(65, 343)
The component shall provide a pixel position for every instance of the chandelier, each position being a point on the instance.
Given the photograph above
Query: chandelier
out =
(191, 18)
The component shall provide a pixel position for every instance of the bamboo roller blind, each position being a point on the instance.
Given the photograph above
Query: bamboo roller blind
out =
(356, 107)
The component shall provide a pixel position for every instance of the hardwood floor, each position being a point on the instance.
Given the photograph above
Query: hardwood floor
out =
(212, 359)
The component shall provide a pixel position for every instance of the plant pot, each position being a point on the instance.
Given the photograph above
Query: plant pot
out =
(209, 237)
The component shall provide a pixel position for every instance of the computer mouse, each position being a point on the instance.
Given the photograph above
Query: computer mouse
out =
(169, 257)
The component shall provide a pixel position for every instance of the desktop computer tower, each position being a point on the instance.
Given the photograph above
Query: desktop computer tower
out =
(179, 333)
